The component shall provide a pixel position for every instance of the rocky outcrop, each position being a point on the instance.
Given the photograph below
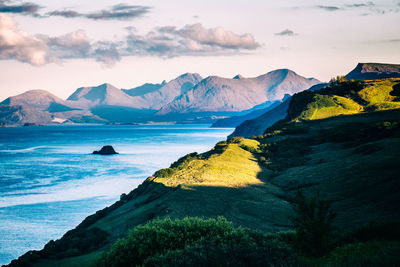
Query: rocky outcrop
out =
(374, 71)
(106, 150)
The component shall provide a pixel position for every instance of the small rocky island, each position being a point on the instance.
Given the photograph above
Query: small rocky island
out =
(105, 150)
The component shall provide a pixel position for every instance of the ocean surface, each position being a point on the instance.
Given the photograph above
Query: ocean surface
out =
(50, 181)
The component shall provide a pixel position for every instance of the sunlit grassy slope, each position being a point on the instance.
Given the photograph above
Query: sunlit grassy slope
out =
(345, 98)
(354, 160)
(227, 165)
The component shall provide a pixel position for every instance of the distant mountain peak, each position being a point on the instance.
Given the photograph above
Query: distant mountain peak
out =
(103, 94)
(36, 98)
(161, 94)
(35, 105)
(188, 74)
(238, 77)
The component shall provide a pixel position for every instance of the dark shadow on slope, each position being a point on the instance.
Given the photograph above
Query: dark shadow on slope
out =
(56, 107)
(354, 160)
(396, 92)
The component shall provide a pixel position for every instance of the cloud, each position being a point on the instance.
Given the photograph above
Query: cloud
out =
(367, 4)
(23, 8)
(64, 13)
(164, 42)
(366, 8)
(193, 39)
(286, 32)
(216, 37)
(72, 45)
(107, 53)
(18, 45)
(117, 12)
(328, 8)
(40, 49)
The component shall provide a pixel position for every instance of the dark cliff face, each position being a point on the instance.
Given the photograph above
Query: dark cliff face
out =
(374, 71)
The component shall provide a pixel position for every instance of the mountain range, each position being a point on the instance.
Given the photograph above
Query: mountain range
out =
(238, 94)
(187, 98)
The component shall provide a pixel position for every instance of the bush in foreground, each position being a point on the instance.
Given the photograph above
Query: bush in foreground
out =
(196, 242)
(313, 224)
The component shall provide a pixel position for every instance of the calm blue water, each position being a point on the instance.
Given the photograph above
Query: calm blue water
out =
(49, 181)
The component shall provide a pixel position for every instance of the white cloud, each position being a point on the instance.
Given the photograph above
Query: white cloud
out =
(192, 39)
(217, 37)
(16, 44)
(163, 42)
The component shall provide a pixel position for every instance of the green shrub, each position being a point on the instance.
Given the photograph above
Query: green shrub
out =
(235, 140)
(196, 242)
(163, 173)
(249, 148)
(338, 79)
(313, 224)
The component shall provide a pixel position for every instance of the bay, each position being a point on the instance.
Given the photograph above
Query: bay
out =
(50, 181)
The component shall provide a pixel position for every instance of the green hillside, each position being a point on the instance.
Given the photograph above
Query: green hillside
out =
(345, 98)
(353, 160)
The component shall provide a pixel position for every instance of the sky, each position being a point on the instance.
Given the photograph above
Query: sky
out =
(60, 45)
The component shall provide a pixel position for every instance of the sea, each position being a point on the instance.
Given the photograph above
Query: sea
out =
(50, 180)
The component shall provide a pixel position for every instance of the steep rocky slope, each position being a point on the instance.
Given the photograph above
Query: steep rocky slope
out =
(257, 126)
(235, 121)
(373, 71)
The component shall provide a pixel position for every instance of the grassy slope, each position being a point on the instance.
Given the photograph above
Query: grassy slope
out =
(353, 159)
(227, 181)
(345, 98)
